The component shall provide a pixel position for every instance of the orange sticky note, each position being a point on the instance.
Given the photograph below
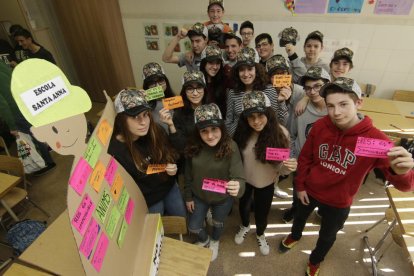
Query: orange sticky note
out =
(173, 102)
(104, 132)
(117, 186)
(156, 168)
(97, 176)
(282, 80)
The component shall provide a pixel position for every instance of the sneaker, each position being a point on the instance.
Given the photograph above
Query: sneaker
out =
(312, 270)
(317, 212)
(209, 217)
(214, 247)
(204, 243)
(263, 245)
(286, 244)
(279, 193)
(241, 234)
(45, 170)
(288, 215)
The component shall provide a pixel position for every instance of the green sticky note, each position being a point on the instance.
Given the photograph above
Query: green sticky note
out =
(113, 221)
(104, 203)
(92, 152)
(154, 93)
(122, 233)
(123, 200)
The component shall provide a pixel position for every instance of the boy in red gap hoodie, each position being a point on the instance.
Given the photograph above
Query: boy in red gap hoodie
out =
(329, 174)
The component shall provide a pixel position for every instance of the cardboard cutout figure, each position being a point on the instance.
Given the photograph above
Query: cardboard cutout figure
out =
(113, 231)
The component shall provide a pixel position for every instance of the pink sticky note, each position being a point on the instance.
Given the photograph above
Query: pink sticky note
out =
(370, 147)
(129, 211)
(83, 214)
(277, 154)
(214, 185)
(100, 252)
(80, 176)
(89, 239)
(111, 170)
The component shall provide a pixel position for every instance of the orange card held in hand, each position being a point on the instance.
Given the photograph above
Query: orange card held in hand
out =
(173, 102)
(282, 80)
(156, 168)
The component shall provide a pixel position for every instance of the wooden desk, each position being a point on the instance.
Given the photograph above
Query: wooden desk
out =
(8, 182)
(380, 106)
(384, 122)
(177, 258)
(406, 108)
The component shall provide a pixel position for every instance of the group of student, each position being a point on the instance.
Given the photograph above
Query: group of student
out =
(232, 114)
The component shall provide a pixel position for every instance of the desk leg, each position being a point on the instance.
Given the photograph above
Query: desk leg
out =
(9, 210)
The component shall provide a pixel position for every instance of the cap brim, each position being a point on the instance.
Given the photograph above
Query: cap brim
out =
(303, 79)
(342, 57)
(136, 110)
(244, 62)
(257, 109)
(150, 78)
(213, 58)
(194, 81)
(209, 123)
(215, 4)
(322, 92)
(272, 71)
(193, 33)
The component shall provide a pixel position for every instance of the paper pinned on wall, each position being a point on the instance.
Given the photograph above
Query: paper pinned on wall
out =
(345, 6)
(331, 45)
(395, 7)
(310, 6)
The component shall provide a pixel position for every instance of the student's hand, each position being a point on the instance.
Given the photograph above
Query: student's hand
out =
(182, 33)
(289, 166)
(166, 117)
(303, 196)
(189, 56)
(301, 106)
(284, 94)
(190, 206)
(290, 49)
(171, 169)
(15, 133)
(401, 160)
(233, 187)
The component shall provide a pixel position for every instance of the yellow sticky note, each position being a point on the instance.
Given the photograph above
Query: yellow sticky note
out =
(156, 168)
(113, 221)
(282, 80)
(98, 175)
(92, 152)
(123, 200)
(122, 233)
(117, 186)
(104, 132)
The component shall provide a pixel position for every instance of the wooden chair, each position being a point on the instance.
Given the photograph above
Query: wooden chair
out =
(13, 166)
(4, 145)
(403, 95)
(174, 225)
(367, 89)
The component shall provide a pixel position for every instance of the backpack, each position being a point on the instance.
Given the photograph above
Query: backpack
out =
(21, 235)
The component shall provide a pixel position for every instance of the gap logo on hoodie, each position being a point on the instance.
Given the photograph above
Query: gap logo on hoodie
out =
(341, 158)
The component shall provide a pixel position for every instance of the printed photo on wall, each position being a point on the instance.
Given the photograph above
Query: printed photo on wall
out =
(170, 29)
(345, 6)
(152, 44)
(150, 29)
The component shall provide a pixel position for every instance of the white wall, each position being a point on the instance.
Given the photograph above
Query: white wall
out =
(384, 53)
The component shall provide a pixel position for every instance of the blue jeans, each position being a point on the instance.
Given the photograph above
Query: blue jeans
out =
(172, 204)
(219, 211)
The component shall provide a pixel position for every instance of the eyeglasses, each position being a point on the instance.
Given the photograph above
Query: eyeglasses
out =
(156, 83)
(315, 88)
(192, 90)
(246, 34)
(264, 44)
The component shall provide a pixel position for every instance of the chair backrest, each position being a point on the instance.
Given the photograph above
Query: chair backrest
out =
(4, 145)
(12, 165)
(174, 225)
(403, 95)
(367, 89)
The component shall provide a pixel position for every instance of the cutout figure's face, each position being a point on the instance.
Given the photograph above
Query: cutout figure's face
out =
(66, 137)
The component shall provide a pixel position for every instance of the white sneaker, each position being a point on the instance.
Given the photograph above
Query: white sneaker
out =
(209, 217)
(214, 247)
(263, 245)
(279, 193)
(241, 234)
(203, 244)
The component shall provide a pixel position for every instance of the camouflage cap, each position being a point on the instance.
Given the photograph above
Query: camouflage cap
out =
(343, 53)
(343, 84)
(276, 62)
(151, 70)
(207, 115)
(215, 2)
(215, 33)
(288, 35)
(315, 73)
(315, 35)
(193, 76)
(255, 101)
(230, 35)
(198, 29)
(246, 56)
(131, 101)
(212, 53)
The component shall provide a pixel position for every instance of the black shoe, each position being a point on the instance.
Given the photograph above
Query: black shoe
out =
(45, 170)
(288, 215)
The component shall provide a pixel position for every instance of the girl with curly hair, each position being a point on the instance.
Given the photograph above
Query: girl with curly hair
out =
(212, 160)
(257, 130)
